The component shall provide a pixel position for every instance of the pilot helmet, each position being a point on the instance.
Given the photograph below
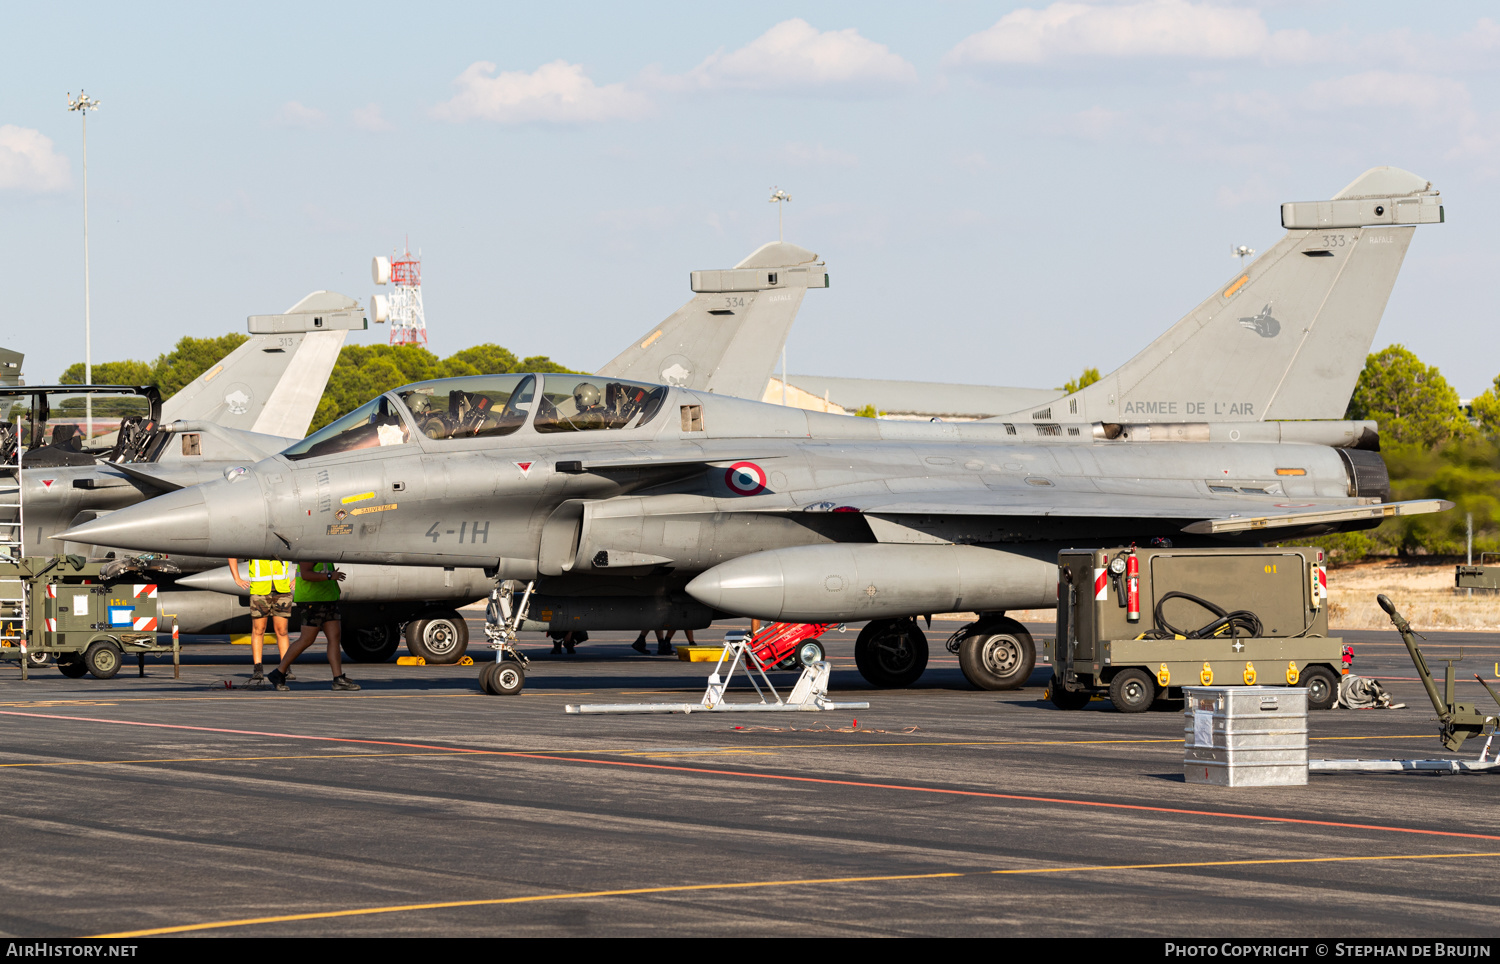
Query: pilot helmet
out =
(585, 395)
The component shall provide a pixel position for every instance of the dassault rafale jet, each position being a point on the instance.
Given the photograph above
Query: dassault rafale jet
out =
(596, 501)
(261, 399)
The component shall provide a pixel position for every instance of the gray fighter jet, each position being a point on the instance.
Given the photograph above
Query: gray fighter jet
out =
(262, 397)
(620, 503)
(652, 536)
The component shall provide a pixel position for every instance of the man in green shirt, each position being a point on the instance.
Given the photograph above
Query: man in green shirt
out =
(270, 588)
(317, 599)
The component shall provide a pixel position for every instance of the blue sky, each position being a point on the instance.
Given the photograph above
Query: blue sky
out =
(1004, 193)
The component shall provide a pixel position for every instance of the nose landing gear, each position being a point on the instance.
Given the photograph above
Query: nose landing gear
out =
(502, 621)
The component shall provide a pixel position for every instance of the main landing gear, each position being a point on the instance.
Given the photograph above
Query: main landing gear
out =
(891, 653)
(502, 621)
(994, 652)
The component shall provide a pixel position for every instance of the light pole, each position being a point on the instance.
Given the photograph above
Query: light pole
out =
(83, 105)
(778, 196)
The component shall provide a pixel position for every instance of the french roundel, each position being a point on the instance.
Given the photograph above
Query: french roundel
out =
(745, 478)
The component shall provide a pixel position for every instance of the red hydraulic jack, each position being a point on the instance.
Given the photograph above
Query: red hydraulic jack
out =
(778, 644)
(787, 645)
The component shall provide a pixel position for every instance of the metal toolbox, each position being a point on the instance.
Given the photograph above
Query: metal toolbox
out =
(1245, 736)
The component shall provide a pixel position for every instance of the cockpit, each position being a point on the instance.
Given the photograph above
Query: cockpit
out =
(55, 425)
(487, 406)
(596, 403)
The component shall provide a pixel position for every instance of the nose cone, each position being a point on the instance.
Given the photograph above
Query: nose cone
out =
(216, 519)
(752, 585)
(215, 580)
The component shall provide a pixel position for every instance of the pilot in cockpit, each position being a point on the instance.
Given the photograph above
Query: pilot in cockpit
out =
(589, 403)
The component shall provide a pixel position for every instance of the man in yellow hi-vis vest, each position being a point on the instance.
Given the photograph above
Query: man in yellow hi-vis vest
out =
(270, 588)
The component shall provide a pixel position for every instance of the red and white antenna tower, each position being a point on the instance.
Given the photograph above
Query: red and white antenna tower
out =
(403, 306)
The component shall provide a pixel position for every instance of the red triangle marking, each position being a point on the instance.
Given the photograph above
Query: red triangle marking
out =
(48, 482)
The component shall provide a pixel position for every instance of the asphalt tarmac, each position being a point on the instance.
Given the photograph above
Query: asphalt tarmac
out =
(421, 807)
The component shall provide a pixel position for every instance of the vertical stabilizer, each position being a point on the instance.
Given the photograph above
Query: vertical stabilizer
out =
(272, 383)
(728, 338)
(10, 367)
(1284, 339)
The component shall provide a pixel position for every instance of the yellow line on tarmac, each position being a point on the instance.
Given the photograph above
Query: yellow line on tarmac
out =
(280, 698)
(233, 759)
(826, 746)
(919, 743)
(1401, 736)
(747, 885)
(725, 751)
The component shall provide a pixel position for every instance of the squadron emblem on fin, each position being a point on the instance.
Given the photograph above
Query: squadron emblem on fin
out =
(1263, 324)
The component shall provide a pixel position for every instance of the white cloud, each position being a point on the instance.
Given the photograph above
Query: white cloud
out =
(1093, 124)
(974, 162)
(369, 118)
(1155, 28)
(559, 93)
(816, 155)
(1253, 190)
(795, 55)
(293, 114)
(27, 161)
(1070, 31)
(1440, 105)
(1437, 96)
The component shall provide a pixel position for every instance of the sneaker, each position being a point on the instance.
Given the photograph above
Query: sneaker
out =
(570, 649)
(290, 675)
(665, 649)
(259, 674)
(557, 649)
(344, 683)
(640, 647)
(278, 679)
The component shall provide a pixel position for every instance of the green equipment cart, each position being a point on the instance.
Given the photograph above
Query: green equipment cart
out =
(86, 616)
(1138, 624)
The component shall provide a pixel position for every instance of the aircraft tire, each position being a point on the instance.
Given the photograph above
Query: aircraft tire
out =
(102, 659)
(1065, 699)
(438, 637)
(891, 653)
(72, 666)
(1132, 691)
(370, 642)
(1322, 687)
(1000, 656)
(507, 678)
(485, 670)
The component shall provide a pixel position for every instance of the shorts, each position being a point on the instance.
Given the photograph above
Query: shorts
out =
(318, 613)
(274, 604)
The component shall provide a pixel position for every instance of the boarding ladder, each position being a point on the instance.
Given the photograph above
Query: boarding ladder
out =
(13, 601)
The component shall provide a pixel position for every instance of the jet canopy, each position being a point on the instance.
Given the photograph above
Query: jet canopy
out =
(55, 425)
(487, 406)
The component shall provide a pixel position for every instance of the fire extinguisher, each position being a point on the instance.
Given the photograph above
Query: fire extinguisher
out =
(1132, 588)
